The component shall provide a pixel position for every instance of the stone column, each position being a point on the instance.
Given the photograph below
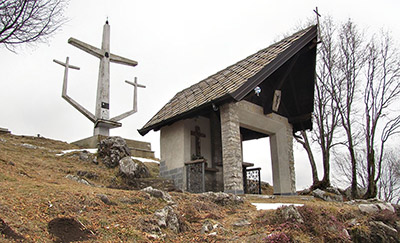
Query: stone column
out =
(231, 149)
(281, 144)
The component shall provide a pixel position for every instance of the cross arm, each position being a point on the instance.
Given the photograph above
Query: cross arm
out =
(86, 47)
(122, 60)
(64, 95)
(134, 109)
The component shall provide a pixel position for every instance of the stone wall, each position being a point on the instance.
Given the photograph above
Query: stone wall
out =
(175, 174)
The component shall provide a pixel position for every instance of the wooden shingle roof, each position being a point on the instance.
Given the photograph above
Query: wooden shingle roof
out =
(233, 82)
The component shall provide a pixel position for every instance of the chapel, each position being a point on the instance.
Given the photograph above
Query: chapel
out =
(267, 94)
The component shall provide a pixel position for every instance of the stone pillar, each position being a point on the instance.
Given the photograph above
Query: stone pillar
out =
(231, 149)
(281, 144)
(216, 151)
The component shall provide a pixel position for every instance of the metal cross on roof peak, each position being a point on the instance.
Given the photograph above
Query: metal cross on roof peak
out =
(101, 117)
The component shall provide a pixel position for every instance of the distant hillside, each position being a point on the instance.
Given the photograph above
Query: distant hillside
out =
(48, 197)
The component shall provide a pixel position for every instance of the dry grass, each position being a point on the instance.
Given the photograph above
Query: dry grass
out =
(34, 191)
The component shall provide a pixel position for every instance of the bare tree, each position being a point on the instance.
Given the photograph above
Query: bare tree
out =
(382, 89)
(344, 90)
(28, 21)
(326, 114)
(389, 182)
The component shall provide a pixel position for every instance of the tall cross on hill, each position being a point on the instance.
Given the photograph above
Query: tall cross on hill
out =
(101, 120)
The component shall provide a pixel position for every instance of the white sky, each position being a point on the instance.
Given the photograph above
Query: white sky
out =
(177, 44)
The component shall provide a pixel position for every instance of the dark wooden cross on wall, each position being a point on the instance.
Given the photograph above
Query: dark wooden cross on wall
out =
(197, 135)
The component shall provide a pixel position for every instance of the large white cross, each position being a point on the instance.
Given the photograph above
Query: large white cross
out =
(101, 118)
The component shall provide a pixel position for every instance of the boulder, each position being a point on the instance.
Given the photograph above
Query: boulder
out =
(131, 169)
(222, 198)
(167, 217)
(327, 196)
(111, 150)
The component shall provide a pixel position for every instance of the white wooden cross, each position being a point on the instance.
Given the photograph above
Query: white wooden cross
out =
(101, 117)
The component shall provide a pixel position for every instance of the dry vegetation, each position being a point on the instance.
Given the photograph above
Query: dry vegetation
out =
(37, 204)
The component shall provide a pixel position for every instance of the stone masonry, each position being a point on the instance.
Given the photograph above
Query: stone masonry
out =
(231, 149)
(174, 174)
(291, 158)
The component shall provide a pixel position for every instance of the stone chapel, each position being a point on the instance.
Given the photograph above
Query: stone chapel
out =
(268, 94)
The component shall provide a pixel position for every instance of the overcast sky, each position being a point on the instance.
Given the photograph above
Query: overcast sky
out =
(176, 43)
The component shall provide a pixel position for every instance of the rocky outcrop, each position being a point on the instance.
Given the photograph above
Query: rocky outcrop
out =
(329, 196)
(111, 150)
(132, 169)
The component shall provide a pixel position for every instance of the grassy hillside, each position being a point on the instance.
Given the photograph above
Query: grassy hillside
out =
(39, 204)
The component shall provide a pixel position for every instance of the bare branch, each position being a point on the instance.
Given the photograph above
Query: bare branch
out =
(29, 21)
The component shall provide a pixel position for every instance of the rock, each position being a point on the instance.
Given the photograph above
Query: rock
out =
(375, 207)
(158, 194)
(381, 232)
(105, 199)
(326, 196)
(368, 208)
(386, 206)
(241, 223)
(306, 191)
(167, 217)
(3, 140)
(111, 150)
(222, 198)
(333, 190)
(291, 212)
(85, 155)
(132, 169)
(78, 179)
(360, 192)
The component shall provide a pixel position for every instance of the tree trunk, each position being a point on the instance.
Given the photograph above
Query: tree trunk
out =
(372, 187)
(307, 147)
(326, 182)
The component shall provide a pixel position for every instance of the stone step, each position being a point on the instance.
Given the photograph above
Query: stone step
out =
(143, 153)
(138, 148)
(4, 130)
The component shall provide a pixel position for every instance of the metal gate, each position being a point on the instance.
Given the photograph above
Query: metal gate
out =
(252, 181)
(195, 176)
